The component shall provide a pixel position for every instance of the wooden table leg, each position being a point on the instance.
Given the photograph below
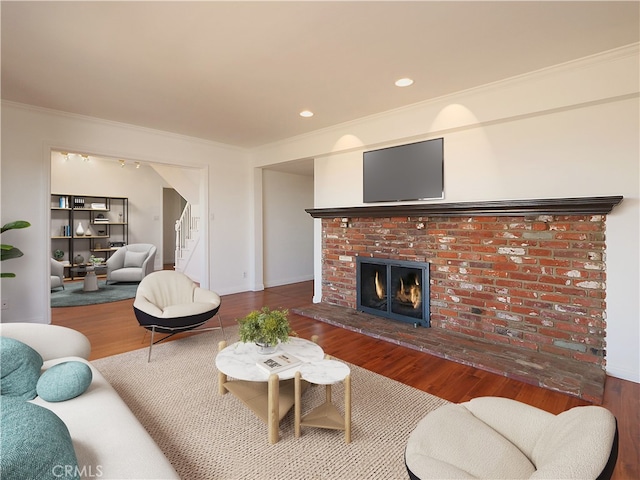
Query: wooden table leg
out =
(297, 408)
(347, 409)
(273, 408)
(222, 378)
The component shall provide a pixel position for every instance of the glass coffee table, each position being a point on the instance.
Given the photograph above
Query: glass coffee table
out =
(269, 396)
(90, 279)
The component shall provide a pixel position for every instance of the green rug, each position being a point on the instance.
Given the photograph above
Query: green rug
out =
(74, 296)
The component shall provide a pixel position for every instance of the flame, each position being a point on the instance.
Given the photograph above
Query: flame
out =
(379, 287)
(411, 294)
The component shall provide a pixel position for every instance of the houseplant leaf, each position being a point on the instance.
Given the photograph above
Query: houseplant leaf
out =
(7, 252)
(14, 225)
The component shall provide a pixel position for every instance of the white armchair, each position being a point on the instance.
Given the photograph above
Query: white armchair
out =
(493, 437)
(169, 302)
(57, 274)
(131, 263)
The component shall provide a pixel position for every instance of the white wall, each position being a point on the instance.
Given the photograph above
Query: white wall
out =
(566, 131)
(287, 228)
(186, 181)
(570, 130)
(142, 186)
(29, 135)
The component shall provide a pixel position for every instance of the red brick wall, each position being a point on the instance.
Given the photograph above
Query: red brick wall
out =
(534, 282)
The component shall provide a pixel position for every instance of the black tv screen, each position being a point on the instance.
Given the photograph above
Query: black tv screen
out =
(406, 172)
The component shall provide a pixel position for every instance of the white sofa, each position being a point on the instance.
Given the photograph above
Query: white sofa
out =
(109, 442)
(494, 437)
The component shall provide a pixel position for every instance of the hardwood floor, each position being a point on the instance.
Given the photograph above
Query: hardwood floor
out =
(112, 328)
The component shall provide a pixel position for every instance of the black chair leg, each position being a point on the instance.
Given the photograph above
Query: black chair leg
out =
(153, 331)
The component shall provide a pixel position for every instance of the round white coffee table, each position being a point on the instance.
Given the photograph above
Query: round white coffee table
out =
(239, 359)
(269, 396)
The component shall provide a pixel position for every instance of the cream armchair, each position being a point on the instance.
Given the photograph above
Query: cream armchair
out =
(131, 263)
(169, 302)
(493, 437)
(57, 274)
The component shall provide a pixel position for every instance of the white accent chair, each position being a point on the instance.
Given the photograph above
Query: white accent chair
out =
(493, 437)
(131, 263)
(57, 274)
(170, 302)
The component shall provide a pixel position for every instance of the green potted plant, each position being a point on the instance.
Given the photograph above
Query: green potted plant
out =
(95, 261)
(8, 252)
(266, 328)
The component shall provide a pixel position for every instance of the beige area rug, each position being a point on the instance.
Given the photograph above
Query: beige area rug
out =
(210, 436)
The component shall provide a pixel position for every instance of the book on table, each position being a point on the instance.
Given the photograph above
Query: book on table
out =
(277, 363)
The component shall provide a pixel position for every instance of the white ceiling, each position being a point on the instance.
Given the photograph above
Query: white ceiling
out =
(240, 72)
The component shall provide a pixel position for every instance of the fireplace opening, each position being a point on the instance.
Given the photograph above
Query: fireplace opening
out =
(394, 289)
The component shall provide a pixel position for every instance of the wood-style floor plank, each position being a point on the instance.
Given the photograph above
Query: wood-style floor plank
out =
(112, 329)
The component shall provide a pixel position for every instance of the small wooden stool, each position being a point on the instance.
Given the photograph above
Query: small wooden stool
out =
(325, 372)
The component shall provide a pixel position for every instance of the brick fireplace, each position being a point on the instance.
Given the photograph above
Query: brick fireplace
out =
(530, 274)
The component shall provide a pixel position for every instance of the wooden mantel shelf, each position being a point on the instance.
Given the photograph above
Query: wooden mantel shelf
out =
(542, 206)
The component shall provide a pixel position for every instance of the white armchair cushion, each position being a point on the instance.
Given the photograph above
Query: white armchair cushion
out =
(453, 435)
(492, 437)
(168, 294)
(567, 449)
(522, 424)
(185, 309)
(162, 290)
(134, 259)
(57, 274)
(56, 282)
(205, 296)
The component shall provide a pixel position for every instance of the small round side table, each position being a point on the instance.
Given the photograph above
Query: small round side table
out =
(324, 372)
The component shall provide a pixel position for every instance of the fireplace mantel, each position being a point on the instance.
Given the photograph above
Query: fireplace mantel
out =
(541, 206)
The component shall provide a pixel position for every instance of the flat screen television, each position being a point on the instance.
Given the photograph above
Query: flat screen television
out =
(414, 171)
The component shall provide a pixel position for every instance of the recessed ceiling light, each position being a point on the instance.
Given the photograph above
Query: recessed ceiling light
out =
(306, 113)
(404, 82)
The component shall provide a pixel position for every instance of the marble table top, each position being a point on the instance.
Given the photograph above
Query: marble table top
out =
(324, 372)
(239, 360)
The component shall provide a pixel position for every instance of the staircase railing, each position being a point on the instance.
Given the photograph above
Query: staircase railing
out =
(187, 227)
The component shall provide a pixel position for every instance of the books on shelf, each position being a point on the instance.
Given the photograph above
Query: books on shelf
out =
(277, 363)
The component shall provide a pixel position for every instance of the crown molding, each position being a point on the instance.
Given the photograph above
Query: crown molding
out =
(114, 123)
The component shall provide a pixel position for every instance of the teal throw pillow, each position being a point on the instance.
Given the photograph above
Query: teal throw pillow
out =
(21, 366)
(64, 381)
(35, 443)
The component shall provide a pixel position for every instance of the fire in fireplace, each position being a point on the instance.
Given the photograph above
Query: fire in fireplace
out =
(394, 289)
